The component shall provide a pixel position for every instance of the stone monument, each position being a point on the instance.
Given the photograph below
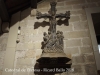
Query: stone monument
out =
(53, 55)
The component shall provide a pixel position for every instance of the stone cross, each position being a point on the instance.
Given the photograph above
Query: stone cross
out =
(52, 16)
(53, 41)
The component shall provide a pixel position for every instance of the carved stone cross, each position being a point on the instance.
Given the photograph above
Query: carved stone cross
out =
(53, 40)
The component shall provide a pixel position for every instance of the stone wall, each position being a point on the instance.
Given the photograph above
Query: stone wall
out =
(77, 41)
(3, 44)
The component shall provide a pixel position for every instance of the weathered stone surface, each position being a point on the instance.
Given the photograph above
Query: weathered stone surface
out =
(74, 19)
(21, 46)
(2, 54)
(41, 30)
(38, 53)
(20, 53)
(74, 50)
(3, 41)
(77, 68)
(24, 61)
(78, 7)
(90, 69)
(21, 38)
(89, 58)
(63, 9)
(22, 73)
(76, 34)
(30, 54)
(86, 50)
(78, 59)
(73, 43)
(83, 17)
(80, 26)
(75, 2)
(0, 72)
(60, 4)
(64, 28)
(37, 45)
(86, 41)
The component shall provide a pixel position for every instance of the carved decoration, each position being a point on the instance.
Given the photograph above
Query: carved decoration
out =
(53, 41)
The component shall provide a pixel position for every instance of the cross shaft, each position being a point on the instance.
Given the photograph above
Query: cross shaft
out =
(52, 16)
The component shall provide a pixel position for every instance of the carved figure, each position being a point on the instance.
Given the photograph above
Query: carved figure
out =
(53, 41)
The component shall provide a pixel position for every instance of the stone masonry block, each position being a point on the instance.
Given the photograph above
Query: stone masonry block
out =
(63, 9)
(90, 69)
(83, 17)
(38, 53)
(84, 50)
(72, 51)
(22, 73)
(73, 43)
(89, 58)
(77, 68)
(77, 7)
(41, 30)
(24, 61)
(78, 59)
(2, 54)
(76, 34)
(0, 72)
(78, 12)
(75, 2)
(80, 26)
(38, 37)
(60, 4)
(3, 41)
(37, 45)
(64, 28)
(30, 54)
(86, 41)
(20, 46)
(74, 19)
(30, 45)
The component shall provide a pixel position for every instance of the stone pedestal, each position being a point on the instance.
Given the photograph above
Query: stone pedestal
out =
(52, 63)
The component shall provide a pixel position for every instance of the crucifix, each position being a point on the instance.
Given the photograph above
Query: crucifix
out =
(53, 55)
(53, 41)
